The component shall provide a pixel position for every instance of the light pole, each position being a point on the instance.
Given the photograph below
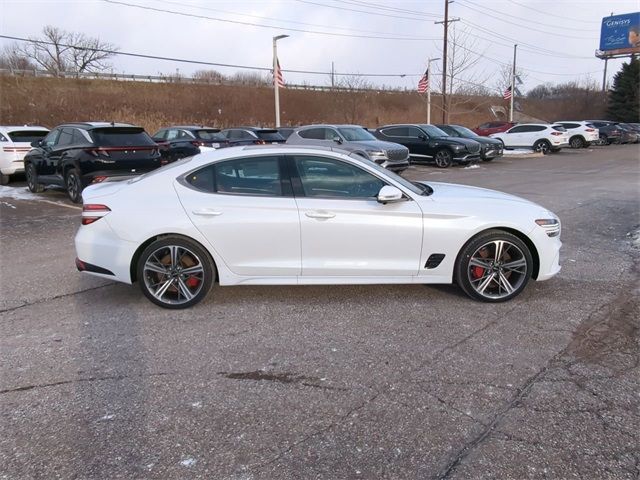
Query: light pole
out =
(275, 79)
(429, 89)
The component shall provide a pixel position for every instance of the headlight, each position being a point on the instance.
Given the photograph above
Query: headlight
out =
(457, 148)
(550, 225)
(378, 155)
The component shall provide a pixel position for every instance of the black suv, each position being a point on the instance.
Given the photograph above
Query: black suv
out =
(75, 155)
(426, 143)
(252, 136)
(188, 140)
(490, 148)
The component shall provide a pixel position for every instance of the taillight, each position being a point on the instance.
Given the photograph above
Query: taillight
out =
(196, 143)
(589, 130)
(99, 179)
(92, 212)
(96, 152)
(556, 133)
(259, 142)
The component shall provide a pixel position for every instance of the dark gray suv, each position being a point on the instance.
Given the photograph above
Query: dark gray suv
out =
(356, 140)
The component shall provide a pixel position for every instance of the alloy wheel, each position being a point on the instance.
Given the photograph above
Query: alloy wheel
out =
(497, 269)
(443, 159)
(173, 274)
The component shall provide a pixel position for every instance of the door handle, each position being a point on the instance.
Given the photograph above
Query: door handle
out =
(320, 214)
(206, 212)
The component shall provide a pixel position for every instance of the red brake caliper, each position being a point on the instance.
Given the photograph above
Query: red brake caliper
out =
(192, 282)
(477, 272)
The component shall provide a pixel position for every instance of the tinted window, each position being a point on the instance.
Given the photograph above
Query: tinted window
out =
(172, 134)
(448, 130)
(324, 177)
(395, 132)
(27, 136)
(355, 134)
(161, 134)
(570, 125)
(520, 129)
(121, 137)
(51, 138)
(184, 134)
(465, 132)
(249, 176)
(208, 134)
(65, 138)
(433, 131)
(559, 128)
(80, 137)
(270, 136)
(415, 132)
(3, 138)
(313, 133)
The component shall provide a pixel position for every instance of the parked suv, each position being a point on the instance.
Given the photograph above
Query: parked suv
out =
(541, 137)
(581, 133)
(427, 143)
(252, 136)
(15, 143)
(75, 155)
(355, 139)
(186, 141)
(489, 128)
(608, 131)
(490, 148)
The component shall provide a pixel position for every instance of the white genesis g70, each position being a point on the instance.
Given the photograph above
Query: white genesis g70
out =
(294, 215)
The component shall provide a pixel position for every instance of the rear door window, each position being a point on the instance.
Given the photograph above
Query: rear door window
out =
(27, 136)
(270, 135)
(121, 137)
(395, 132)
(66, 138)
(312, 133)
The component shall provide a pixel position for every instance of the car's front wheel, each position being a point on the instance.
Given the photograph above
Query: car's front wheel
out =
(443, 158)
(73, 185)
(175, 272)
(32, 179)
(577, 142)
(495, 266)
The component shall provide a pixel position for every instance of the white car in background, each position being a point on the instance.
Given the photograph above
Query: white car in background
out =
(541, 137)
(295, 215)
(15, 142)
(581, 133)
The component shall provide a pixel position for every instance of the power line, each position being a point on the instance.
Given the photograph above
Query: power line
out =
(539, 11)
(377, 6)
(200, 62)
(309, 2)
(465, 5)
(239, 22)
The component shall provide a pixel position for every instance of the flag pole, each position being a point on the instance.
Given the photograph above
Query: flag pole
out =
(513, 84)
(275, 78)
(428, 95)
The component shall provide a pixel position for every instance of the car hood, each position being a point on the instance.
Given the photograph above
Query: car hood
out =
(487, 141)
(376, 145)
(457, 141)
(453, 193)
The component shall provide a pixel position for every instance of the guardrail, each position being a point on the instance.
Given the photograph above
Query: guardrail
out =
(189, 80)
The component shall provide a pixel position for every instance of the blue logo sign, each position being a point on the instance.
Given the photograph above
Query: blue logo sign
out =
(620, 32)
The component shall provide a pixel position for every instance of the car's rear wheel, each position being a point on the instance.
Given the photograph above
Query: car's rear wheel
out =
(495, 266)
(443, 158)
(577, 142)
(73, 185)
(175, 272)
(604, 140)
(32, 179)
(542, 146)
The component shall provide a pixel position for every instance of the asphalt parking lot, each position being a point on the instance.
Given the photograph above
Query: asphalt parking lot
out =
(332, 381)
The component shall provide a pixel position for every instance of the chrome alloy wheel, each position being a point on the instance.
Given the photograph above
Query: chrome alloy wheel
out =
(173, 274)
(497, 269)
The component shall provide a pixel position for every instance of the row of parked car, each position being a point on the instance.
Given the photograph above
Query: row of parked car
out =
(75, 155)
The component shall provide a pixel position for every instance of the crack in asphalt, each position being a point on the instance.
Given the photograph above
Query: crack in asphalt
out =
(82, 380)
(55, 297)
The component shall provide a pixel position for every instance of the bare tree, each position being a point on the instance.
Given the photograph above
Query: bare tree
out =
(59, 51)
(355, 91)
(209, 76)
(12, 59)
(504, 78)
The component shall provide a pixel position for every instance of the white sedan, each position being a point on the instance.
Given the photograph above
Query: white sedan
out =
(298, 216)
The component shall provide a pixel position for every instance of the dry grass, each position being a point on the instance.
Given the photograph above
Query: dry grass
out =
(51, 101)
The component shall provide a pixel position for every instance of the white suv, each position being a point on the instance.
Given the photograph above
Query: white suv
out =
(581, 133)
(15, 142)
(541, 137)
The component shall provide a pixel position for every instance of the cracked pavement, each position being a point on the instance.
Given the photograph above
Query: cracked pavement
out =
(333, 381)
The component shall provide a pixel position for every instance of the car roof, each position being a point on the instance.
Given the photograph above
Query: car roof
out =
(190, 127)
(18, 128)
(331, 125)
(91, 125)
(253, 129)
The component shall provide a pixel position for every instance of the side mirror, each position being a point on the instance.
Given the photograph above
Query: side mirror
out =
(422, 137)
(389, 194)
(337, 139)
(36, 143)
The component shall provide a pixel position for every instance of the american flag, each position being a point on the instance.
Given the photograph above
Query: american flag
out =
(423, 84)
(507, 93)
(278, 79)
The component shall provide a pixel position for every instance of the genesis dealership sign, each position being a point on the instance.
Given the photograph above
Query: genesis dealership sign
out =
(620, 34)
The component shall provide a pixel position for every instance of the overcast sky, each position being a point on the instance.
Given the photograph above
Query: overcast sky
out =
(557, 38)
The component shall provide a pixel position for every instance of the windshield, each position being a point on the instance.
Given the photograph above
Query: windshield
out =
(433, 131)
(355, 134)
(27, 136)
(269, 135)
(209, 135)
(465, 132)
(121, 137)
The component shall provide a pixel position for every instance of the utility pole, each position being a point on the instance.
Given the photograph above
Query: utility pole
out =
(445, 112)
(333, 76)
(513, 84)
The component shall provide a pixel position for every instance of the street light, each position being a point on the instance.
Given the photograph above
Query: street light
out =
(429, 89)
(275, 80)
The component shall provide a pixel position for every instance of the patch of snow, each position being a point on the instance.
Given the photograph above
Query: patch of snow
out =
(475, 165)
(517, 151)
(23, 193)
(635, 238)
(7, 204)
(196, 404)
(106, 417)
(188, 462)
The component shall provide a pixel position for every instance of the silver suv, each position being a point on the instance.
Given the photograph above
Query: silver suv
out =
(356, 140)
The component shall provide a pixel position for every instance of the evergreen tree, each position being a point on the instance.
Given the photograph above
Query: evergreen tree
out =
(624, 97)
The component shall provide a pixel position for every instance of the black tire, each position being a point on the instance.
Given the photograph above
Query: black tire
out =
(488, 159)
(483, 277)
(542, 146)
(577, 142)
(443, 158)
(73, 184)
(4, 179)
(32, 179)
(177, 291)
(604, 140)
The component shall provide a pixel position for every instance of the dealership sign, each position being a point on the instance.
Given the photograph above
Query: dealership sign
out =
(620, 34)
